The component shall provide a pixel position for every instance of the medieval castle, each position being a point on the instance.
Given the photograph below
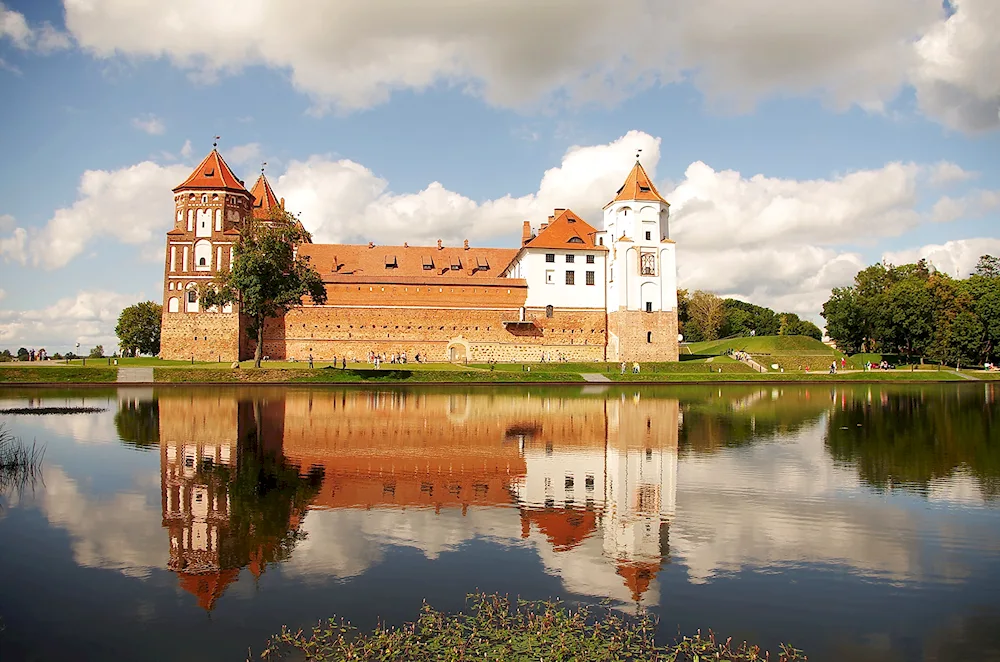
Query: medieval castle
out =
(569, 291)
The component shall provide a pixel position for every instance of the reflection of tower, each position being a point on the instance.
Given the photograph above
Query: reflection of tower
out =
(642, 487)
(198, 444)
(229, 499)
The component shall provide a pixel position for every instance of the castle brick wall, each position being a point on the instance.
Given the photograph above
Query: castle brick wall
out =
(478, 334)
(204, 336)
(629, 339)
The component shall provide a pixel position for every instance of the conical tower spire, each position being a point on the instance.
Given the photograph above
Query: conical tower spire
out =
(637, 186)
(264, 198)
(212, 173)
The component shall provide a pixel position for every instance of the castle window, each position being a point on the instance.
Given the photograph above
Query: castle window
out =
(649, 334)
(192, 297)
(390, 262)
(647, 264)
(570, 277)
(550, 257)
(590, 278)
(550, 276)
(570, 259)
(590, 259)
(482, 264)
(204, 197)
(202, 262)
(649, 306)
(548, 311)
(649, 235)
(600, 241)
(456, 264)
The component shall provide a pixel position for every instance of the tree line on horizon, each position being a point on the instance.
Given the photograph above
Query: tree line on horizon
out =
(703, 315)
(919, 312)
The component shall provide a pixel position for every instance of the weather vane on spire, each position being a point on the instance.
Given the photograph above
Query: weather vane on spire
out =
(216, 143)
(263, 164)
(637, 153)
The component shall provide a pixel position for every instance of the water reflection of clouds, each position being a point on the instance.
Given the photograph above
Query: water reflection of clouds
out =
(790, 503)
(122, 532)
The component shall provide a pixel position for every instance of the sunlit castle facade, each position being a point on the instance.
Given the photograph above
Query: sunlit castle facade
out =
(568, 292)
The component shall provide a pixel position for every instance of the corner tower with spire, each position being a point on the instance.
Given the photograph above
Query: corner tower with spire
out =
(641, 273)
(209, 208)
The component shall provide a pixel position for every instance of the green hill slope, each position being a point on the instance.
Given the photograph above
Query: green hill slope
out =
(760, 345)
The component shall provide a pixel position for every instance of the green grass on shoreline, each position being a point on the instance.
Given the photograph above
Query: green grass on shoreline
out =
(497, 628)
(444, 373)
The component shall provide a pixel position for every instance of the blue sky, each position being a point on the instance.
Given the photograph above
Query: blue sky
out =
(795, 146)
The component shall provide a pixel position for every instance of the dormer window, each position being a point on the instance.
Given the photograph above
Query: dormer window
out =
(390, 262)
(428, 262)
(210, 172)
(645, 189)
(574, 240)
(456, 264)
(482, 264)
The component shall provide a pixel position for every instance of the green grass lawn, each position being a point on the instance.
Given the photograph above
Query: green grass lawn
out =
(759, 345)
(67, 375)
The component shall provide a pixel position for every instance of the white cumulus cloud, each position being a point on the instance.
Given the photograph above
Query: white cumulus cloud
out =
(132, 205)
(957, 258)
(43, 39)
(353, 54)
(150, 123)
(244, 154)
(88, 318)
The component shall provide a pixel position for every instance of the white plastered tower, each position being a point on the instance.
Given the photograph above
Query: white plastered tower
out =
(641, 273)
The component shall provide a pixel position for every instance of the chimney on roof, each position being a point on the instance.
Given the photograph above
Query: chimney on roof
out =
(465, 245)
(439, 245)
(282, 204)
(526, 233)
(371, 244)
(558, 211)
(406, 245)
(544, 225)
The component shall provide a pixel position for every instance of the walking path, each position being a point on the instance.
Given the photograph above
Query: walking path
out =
(965, 376)
(135, 375)
(594, 377)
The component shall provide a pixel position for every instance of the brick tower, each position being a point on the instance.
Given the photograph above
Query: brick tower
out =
(209, 207)
(642, 273)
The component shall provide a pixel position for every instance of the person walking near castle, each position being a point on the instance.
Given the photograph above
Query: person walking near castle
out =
(310, 360)
(623, 367)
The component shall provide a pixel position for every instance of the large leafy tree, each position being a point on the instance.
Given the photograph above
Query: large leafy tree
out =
(138, 329)
(268, 276)
(706, 312)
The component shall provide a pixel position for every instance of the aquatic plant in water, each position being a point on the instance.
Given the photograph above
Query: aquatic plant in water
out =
(495, 629)
(20, 464)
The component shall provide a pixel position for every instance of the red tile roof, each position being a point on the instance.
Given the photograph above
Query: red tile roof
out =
(637, 186)
(565, 528)
(212, 173)
(264, 198)
(207, 587)
(566, 231)
(637, 576)
(356, 263)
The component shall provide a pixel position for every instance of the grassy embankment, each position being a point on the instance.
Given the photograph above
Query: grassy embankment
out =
(497, 629)
(798, 358)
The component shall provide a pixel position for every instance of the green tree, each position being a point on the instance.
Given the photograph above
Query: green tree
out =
(97, 352)
(706, 313)
(6, 356)
(22, 354)
(268, 277)
(682, 312)
(138, 329)
(138, 423)
(843, 315)
(742, 318)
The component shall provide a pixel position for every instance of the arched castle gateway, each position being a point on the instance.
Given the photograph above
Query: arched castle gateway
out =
(569, 291)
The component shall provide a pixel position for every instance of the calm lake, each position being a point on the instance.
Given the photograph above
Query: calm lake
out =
(855, 522)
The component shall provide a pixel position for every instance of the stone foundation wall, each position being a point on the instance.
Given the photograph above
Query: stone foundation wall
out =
(204, 336)
(635, 335)
(475, 334)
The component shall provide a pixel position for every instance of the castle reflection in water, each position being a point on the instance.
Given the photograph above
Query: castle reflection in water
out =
(241, 470)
